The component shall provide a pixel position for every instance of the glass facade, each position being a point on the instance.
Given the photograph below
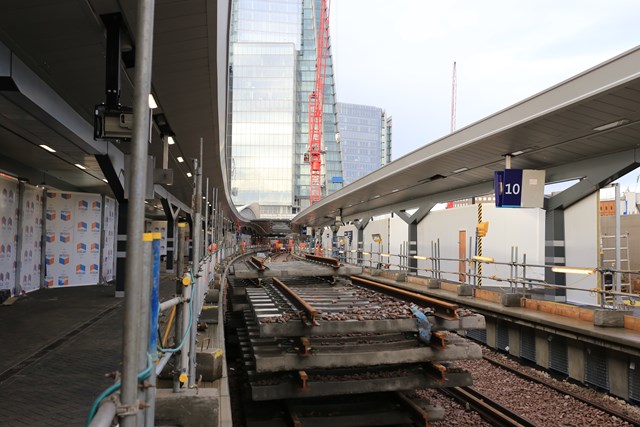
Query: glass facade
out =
(365, 138)
(271, 75)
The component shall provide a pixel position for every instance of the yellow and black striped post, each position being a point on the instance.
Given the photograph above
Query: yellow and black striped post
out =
(479, 247)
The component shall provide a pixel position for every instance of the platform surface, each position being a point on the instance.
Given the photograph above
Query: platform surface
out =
(56, 345)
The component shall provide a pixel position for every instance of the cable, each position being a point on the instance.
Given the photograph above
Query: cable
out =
(142, 375)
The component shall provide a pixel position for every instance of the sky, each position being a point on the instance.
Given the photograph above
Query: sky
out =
(398, 55)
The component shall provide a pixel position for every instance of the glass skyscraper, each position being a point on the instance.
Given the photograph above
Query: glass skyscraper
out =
(272, 72)
(365, 139)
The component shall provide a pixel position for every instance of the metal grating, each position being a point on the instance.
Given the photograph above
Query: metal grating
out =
(634, 380)
(559, 355)
(596, 368)
(502, 336)
(478, 335)
(528, 344)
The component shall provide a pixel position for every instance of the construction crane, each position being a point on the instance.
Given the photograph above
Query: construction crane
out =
(454, 89)
(316, 106)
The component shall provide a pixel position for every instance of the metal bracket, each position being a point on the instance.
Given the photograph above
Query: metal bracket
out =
(304, 386)
(439, 339)
(424, 326)
(305, 347)
(126, 411)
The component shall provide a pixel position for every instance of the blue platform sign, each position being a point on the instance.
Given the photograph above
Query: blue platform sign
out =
(508, 188)
(519, 188)
(498, 182)
(512, 188)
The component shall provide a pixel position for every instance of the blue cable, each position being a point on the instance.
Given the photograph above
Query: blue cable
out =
(142, 375)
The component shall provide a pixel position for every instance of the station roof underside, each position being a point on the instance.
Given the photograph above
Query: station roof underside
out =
(52, 75)
(562, 130)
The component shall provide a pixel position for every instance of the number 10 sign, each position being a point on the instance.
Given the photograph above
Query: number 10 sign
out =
(519, 188)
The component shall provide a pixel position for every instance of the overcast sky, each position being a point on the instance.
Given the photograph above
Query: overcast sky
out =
(398, 55)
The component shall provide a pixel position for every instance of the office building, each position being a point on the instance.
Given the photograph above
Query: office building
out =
(365, 139)
(272, 72)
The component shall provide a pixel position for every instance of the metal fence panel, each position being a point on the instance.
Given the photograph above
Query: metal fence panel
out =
(597, 368)
(528, 344)
(478, 335)
(559, 355)
(634, 380)
(502, 336)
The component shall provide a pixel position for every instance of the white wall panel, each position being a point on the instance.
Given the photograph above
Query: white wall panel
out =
(581, 247)
(400, 236)
(381, 227)
(523, 228)
(349, 234)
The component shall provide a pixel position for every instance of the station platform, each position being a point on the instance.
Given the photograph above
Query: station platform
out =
(56, 348)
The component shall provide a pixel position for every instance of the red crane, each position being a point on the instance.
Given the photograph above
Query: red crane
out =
(316, 104)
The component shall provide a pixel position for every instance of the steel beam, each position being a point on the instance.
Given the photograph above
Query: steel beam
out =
(595, 173)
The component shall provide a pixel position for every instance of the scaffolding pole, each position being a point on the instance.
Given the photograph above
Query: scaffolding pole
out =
(132, 344)
(197, 229)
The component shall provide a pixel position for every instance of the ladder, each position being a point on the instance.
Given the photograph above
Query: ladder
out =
(608, 260)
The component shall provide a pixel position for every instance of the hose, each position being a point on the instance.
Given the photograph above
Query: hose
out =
(142, 375)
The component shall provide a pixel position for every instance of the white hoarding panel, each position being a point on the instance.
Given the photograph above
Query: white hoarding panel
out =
(32, 199)
(347, 239)
(521, 228)
(376, 241)
(109, 244)
(160, 227)
(8, 232)
(72, 252)
(581, 247)
(400, 232)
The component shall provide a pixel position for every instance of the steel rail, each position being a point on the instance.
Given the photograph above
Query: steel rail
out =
(442, 309)
(489, 410)
(311, 312)
(331, 262)
(618, 414)
(257, 263)
(419, 414)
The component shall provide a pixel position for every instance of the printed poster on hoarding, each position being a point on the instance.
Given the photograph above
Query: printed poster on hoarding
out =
(108, 252)
(32, 199)
(8, 232)
(160, 227)
(73, 227)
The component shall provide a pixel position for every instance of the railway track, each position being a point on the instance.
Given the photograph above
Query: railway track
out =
(379, 409)
(564, 390)
(310, 344)
(488, 409)
(319, 350)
